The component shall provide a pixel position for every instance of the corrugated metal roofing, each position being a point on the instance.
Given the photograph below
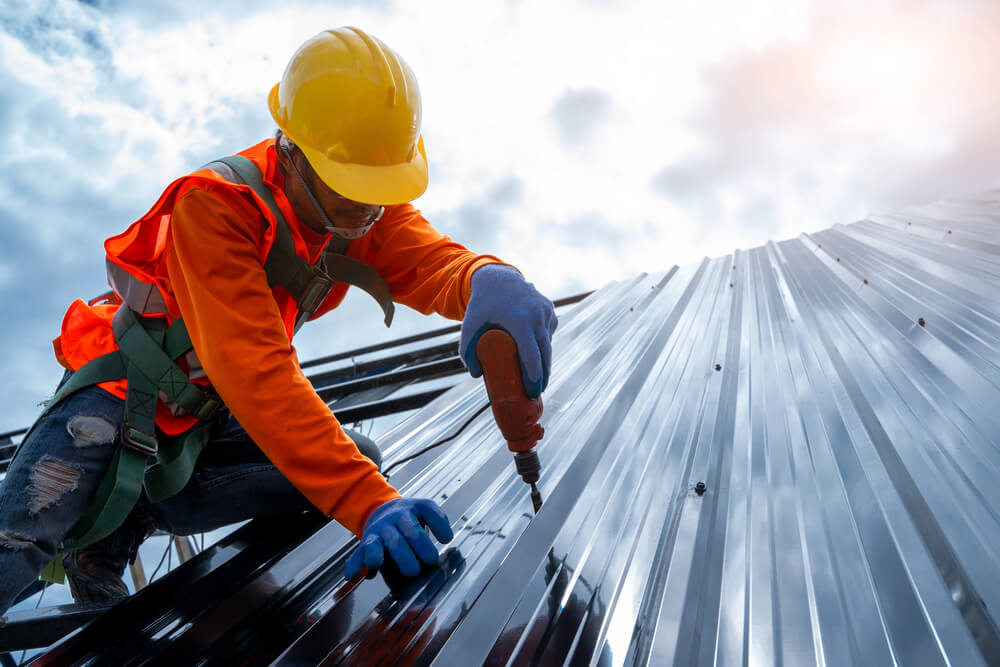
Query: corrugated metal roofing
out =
(838, 395)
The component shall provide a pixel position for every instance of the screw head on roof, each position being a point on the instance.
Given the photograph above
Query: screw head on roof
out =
(866, 281)
(699, 488)
(921, 322)
(838, 259)
(730, 284)
(718, 367)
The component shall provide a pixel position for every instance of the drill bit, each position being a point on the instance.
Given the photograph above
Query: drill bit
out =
(528, 467)
(536, 498)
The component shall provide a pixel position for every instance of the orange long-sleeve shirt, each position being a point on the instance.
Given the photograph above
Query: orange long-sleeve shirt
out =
(211, 266)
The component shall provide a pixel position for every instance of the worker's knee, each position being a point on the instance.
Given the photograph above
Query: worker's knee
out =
(366, 446)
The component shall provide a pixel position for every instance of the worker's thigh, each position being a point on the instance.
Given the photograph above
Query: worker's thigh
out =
(52, 481)
(233, 482)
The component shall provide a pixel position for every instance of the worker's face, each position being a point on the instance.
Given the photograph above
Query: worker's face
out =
(342, 212)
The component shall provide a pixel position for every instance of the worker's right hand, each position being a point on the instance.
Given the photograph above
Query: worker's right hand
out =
(396, 528)
(502, 299)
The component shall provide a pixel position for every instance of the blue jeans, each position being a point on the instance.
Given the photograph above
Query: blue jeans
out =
(55, 476)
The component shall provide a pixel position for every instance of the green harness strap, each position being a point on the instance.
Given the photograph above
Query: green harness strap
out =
(143, 345)
(151, 353)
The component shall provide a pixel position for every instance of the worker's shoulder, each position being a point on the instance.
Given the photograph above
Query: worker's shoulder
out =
(208, 202)
(207, 187)
(401, 214)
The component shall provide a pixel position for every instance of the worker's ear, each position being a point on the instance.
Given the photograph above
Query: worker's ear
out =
(283, 160)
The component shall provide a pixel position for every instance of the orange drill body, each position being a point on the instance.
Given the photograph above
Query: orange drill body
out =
(515, 413)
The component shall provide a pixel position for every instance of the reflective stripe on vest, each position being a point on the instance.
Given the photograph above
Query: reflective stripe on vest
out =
(138, 295)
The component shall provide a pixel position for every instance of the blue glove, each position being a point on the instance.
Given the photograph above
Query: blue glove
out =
(396, 527)
(501, 298)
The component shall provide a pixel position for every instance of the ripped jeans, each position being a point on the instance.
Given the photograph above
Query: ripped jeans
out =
(59, 467)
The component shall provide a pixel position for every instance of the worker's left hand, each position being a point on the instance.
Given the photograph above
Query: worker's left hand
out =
(502, 298)
(395, 529)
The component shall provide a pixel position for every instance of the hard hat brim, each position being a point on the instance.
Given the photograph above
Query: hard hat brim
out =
(388, 184)
(367, 184)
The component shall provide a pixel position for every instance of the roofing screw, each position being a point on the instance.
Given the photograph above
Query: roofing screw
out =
(699, 488)
(838, 259)
(949, 231)
(921, 322)
(866, 281)
(718, 367)
(730, 284)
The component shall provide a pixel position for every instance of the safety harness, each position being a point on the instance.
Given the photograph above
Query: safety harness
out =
(147, 358)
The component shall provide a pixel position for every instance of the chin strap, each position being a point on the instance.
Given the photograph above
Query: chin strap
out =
(350, 233)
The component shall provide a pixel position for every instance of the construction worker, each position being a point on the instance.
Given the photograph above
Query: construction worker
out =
(189, 362)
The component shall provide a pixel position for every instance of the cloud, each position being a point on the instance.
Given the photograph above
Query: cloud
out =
(577, 114)
(874, 108)
(165, 13)
(590, 230)
(692, 185)
(583, 141)
(480, 221)
(56, 29)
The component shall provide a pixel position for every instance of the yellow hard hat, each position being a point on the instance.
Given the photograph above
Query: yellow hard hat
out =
(353, 106)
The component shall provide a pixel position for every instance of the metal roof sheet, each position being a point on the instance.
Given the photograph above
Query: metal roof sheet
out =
(837, 395)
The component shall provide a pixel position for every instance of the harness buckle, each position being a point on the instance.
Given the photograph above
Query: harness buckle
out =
(208, 408)
(315, 292)
(138, 440)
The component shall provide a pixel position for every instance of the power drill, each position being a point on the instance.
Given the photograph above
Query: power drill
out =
(516, 415)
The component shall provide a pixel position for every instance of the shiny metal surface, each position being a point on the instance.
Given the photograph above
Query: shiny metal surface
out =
(837, 396)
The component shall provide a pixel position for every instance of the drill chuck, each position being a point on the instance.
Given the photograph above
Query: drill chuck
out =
(528, 466)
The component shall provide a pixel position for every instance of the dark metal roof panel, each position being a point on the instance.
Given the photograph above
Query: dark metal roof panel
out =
(837, 396)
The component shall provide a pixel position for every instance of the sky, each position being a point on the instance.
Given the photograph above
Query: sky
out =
(584, 141)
